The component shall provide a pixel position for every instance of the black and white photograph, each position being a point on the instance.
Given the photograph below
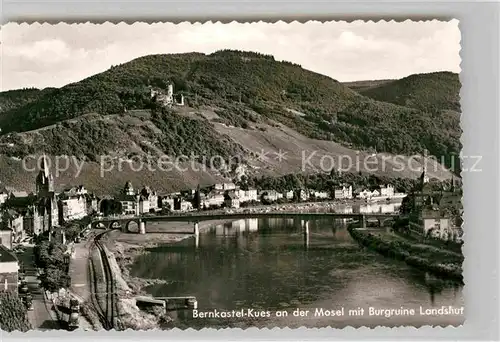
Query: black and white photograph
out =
(231, 175)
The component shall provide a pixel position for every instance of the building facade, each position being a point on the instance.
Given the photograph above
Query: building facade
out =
(231, 201)
(6, 237)
(387, 190)
(9, 270)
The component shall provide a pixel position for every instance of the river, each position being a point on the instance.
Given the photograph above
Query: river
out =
(268, 265)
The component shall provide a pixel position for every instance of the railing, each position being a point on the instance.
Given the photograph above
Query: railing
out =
(248, 214)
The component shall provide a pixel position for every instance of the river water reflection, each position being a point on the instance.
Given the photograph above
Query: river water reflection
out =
(268, 265)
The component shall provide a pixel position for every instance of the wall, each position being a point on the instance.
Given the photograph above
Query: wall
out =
(9, 276)
(74, 208)
(6, 238)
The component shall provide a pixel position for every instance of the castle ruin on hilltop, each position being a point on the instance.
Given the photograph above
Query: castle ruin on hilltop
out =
(167, 99)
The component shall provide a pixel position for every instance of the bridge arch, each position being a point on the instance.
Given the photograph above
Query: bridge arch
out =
(383, 220)
(98, 225)
(114, 224)
(109, 206)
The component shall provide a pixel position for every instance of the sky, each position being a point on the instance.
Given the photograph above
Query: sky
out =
(44, 55)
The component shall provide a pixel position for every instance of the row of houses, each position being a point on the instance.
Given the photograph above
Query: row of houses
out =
(9, 270)
(23, 214)
(229, 195)
(435, 213)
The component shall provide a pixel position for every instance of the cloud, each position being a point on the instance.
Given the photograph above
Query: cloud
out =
(43, 55)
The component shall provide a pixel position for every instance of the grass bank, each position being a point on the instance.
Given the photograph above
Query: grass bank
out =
(123, 249)
(441, 262)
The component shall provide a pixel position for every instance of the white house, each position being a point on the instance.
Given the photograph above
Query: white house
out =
(365, 194)
(439, 224)
(144, 205)
(9, 270)
(74, 208)
(271, 195)
(288, 195)
(224, 186)
(321, 195)
(387, 190)
(167, 202)
(212, 199)
(4, 194)
(150, 196)
(15, 222)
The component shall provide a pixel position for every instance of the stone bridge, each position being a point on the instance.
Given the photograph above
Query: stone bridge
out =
(141, 221)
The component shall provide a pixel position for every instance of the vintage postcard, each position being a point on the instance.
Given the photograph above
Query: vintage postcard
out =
(159, 176)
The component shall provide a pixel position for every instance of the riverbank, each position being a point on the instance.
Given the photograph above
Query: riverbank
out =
(441, 262)
(123, 249)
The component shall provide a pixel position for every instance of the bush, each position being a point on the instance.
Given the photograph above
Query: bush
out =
(13, 313)
(54, 279)
(51, 256)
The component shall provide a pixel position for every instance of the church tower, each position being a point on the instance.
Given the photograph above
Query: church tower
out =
(128, 189)
(44, 180)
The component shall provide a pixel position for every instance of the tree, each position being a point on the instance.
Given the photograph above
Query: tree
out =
(406, 206)
(54, 279)
(111, 207)
(13, 313)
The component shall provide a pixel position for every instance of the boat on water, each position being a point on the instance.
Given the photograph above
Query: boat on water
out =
(395, 197)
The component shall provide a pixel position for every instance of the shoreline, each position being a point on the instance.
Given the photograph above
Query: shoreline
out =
(442, 263)
(124, 249)
(327, 204)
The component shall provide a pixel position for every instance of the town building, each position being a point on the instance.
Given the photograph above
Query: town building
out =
(437, 223)
(231, 200)
(92, 203)
(271, 196)
(321, 195)
(147, 195)
(129, 204)
(182, 205)
(129, 200)
(4, 194)
(47, 199)
(301, 195)
(288, 195)
(387, 190)
(213, 199)
(33, 221)
(144, 205)
(73, 203)
(9, 270)
(13, 220)
(5, 236)
(249, 195)
(433, 212)
(224, 186)
(168, 98)
(167, 203)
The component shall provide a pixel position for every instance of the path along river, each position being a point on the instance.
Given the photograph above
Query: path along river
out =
(267, 265)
